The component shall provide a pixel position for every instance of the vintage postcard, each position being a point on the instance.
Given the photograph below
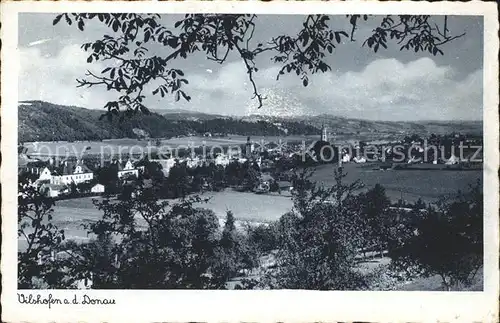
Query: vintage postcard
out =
(250, 161)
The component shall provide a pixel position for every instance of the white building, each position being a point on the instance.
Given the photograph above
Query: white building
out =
(78, 173)
(359, 160)
(127, 170)
(54, 190)
(222, 160)
(97, 188)
(166, 164)
(45, 175)
(453, 160)
(193, 162)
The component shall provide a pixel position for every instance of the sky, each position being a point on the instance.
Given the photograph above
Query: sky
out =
(390, 85)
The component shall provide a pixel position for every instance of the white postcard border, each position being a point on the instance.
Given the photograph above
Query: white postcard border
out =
(296, 306)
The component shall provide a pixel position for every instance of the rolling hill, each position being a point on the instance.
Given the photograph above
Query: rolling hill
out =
(43, 121)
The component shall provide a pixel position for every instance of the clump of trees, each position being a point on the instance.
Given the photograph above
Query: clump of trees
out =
(318, 240)
(39, 240)
(445, 240)
(181, 179)
(146, 243)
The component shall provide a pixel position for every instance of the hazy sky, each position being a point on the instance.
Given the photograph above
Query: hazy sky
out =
(388, 85)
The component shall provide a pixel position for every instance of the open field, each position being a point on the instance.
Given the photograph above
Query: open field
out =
(428, 185)
(70, 215)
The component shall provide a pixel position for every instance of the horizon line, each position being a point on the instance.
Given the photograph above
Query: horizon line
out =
(216, 114)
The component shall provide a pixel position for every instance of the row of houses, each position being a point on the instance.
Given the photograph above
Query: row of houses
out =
(55, 181)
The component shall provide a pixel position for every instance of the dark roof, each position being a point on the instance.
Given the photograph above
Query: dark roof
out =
(284, 183)
(24, 160)
(55, 187)
(69, 168)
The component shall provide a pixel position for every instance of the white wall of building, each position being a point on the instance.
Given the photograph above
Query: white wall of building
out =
(128, 172)
(73, 178)
(45, 175)
(98, 188)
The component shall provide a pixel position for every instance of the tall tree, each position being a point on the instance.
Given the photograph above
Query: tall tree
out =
(374, 210)
(318, 240)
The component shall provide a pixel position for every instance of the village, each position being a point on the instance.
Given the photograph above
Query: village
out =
(253, 166)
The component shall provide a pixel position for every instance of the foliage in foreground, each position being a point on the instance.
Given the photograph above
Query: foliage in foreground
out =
(446, 240)
(138, 73)
(145, 243)
(318, 240)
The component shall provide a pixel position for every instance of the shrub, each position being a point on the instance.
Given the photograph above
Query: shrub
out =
(446, 240)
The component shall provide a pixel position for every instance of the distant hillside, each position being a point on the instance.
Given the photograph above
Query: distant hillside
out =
(43, 121)
(180, 114)
(340, 125)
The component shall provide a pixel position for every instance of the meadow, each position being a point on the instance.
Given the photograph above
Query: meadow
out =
(72, 214)
(429, 185)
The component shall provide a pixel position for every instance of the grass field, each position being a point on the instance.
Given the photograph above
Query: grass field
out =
(428, 185)
(72, 214)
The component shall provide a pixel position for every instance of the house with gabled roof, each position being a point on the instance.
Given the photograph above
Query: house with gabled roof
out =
(30, 165)
(127, 169)
(73, 173)
(54, 190)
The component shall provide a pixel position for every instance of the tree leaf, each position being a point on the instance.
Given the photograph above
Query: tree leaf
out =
(172, 42)
(57, 19)
(305, 39)
(337, 37)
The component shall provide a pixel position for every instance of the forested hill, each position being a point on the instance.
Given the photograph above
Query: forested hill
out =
(43, 121)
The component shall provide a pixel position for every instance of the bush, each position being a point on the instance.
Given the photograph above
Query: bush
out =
(38, 266)
(318, 241)
(446, 240)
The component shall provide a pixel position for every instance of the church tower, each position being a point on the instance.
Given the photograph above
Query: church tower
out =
(248, 148)
(324, 134)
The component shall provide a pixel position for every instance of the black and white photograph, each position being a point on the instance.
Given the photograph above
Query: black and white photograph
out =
(212, 150)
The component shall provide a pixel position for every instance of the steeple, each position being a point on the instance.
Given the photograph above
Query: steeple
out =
(324, 133)
(248, 148)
